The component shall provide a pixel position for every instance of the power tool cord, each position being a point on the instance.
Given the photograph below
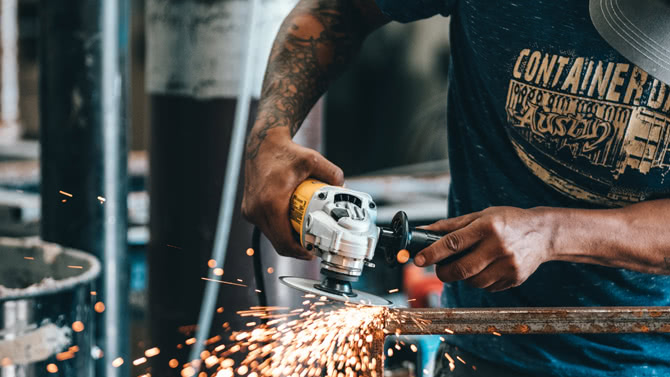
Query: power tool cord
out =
(258, 268)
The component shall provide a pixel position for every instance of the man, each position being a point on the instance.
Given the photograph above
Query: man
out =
(558, 157)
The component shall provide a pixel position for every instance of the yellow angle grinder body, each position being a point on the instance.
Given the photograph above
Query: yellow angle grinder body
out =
(339, 226)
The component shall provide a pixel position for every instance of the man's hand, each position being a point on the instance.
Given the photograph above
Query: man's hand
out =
(270, 179)
(502, 247)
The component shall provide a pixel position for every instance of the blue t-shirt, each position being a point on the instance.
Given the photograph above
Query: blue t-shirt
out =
(543, 112)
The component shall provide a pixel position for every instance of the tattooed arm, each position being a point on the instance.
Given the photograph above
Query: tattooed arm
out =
(314, 45)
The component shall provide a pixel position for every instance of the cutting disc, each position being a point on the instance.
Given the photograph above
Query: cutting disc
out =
(309, 286)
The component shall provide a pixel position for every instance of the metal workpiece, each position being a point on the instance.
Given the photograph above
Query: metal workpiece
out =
(499, 321)
(519, 321)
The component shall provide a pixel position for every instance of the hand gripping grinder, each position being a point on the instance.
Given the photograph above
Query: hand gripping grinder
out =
(339, 226)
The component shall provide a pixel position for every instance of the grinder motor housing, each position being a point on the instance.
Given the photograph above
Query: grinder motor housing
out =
(338, 225)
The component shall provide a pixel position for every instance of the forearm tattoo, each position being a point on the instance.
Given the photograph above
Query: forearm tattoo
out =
(314, 44)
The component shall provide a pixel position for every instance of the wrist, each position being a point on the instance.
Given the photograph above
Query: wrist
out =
(580, 235)
(550, 223)
(276, 132)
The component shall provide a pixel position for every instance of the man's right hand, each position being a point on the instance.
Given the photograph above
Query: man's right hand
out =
(271, 177)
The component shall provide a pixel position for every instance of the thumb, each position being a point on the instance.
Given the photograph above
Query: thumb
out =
(452, 243)
(327, 172)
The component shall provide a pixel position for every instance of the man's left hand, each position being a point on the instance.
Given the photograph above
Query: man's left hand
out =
(502, 246)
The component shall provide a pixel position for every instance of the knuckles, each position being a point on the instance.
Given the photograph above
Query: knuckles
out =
(459, 271)
(452, 272)
(452, 241)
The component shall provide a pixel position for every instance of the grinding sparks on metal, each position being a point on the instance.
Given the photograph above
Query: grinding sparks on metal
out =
(303, 342)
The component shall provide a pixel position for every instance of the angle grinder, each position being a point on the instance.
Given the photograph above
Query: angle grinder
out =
(339, 226)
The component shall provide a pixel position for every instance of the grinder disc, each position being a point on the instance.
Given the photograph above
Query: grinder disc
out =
(309, 286)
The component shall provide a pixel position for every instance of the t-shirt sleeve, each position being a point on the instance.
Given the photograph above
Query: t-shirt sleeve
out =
(412, 10)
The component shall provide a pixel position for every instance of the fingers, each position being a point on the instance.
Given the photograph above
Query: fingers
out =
(489, 276)
(500, 286)
(450, 225)
(281, 234)
(452, 243)
(469, 265)
(326, 171)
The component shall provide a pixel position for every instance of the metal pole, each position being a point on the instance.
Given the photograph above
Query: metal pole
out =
(115, 71)
(84, 153)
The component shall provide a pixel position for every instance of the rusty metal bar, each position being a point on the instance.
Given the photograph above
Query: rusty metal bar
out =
(593, 320)
(500, 321)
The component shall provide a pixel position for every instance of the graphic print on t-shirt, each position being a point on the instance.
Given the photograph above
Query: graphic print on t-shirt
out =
(591, 129)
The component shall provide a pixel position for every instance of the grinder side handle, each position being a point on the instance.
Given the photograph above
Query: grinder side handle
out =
(421, 239)
(401, 237)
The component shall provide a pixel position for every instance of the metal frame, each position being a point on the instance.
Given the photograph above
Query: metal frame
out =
(520, 321)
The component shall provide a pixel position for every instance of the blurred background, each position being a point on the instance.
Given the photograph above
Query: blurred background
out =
(137, 181)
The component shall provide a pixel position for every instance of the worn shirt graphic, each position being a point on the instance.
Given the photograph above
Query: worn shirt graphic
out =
(543, 112)
(606, 122)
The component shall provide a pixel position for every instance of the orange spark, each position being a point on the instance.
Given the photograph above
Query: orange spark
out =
(403, 256)
(151, 352)
(78, 326)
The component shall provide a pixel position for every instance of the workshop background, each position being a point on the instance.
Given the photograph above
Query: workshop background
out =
(116, 119)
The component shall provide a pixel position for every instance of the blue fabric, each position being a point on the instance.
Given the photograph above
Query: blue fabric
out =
(543, 112)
